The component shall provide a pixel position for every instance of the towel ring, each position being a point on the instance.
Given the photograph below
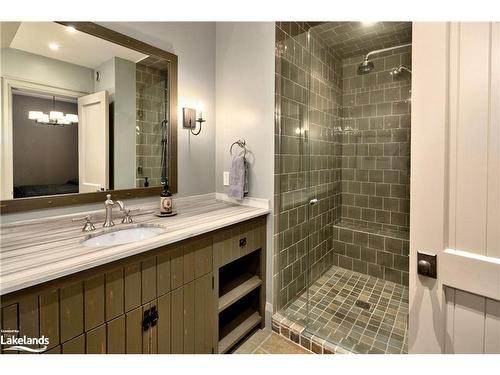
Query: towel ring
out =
(240, 142)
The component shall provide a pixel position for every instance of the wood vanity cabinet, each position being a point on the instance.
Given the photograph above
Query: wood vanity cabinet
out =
(161, 301)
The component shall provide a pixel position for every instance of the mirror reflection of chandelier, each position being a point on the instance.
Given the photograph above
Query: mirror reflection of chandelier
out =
(54, 117)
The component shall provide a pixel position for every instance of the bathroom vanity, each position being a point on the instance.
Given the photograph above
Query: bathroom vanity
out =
(197, 287)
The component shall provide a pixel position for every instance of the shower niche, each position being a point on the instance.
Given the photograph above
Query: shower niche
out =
(343, 110)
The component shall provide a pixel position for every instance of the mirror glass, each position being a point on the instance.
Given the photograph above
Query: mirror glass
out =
(79, 113)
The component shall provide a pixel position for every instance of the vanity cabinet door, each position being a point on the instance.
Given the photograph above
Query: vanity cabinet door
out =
(177, 319)
(9, 321)
(114, 293)
(28, 317)
(163, 274)
(148, 283)
(96, 340)
(116, 335)
(74, 346)
(133, 331)
(94, 302)
(164, 324)
(177, 267)
(71, 311)
(133, 288)
(49, 316)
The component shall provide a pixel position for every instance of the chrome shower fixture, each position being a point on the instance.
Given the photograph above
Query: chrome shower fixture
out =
(367, 66)
(400, 69)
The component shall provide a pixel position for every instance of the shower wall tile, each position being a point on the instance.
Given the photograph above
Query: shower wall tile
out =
(376, 252)
(376, 148)
(308, 105)
(344, 139)
(150, 101)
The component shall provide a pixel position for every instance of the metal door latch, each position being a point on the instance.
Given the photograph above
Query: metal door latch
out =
(427, 265)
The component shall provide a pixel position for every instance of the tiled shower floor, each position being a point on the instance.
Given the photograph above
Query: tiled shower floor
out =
(334, 315)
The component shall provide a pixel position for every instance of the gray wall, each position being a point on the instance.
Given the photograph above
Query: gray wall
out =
(40, 69)
(43, 154)
(118, 78)
(244, 88)
(124, 124)
(194, 43)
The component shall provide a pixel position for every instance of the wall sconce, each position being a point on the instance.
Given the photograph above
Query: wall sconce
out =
(189, 119)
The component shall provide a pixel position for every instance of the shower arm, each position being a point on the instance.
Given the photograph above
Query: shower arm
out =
(385, 50)
(402, 67)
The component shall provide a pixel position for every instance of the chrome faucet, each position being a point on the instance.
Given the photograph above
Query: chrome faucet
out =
(109, 204)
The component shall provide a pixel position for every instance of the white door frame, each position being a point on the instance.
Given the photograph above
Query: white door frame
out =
(6, 132)
(455, 187)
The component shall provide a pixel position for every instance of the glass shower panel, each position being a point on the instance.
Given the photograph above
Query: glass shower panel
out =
(324, 153)
(294, 178)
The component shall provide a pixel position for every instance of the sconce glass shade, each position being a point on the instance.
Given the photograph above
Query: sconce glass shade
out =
(43, 119)
(63, 121)
(56, 115)
(72, 118)
(35, 115)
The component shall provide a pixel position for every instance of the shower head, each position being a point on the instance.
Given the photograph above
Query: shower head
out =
(365, 67)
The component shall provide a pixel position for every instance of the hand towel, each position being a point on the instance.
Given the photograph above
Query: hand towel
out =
(237, 177)
(245, 187)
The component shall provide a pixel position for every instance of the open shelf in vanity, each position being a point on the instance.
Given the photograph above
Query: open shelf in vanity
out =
(240, 286)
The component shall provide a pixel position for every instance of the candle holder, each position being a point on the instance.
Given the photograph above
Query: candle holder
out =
(201, 121)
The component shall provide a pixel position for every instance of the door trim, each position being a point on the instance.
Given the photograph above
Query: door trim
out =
(7, 164)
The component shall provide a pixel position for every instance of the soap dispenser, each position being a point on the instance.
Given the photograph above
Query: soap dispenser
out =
(166, 200)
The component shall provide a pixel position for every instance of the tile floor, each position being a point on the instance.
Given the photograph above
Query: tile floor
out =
(268, 342)
(336, 317)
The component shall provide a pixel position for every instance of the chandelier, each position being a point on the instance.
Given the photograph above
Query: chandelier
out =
(54, 117)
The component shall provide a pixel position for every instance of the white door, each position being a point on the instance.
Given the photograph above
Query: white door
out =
(455, 187)
(93, 142)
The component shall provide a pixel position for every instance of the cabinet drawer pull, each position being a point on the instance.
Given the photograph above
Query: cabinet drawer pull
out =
(243, 242)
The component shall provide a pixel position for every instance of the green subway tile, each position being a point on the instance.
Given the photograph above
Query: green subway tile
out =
(385, 259)
(376, 242)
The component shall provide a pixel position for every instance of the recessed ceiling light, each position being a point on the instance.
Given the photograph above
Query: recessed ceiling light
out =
(368, 23)
(54, 46)
(71, 29)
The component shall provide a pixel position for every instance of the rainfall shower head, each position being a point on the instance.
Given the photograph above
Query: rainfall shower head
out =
(365, 67)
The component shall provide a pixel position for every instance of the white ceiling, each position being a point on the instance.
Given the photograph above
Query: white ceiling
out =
(74, 47)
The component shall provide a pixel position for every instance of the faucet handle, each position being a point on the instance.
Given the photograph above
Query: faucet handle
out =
(127, 219)
(88, 226)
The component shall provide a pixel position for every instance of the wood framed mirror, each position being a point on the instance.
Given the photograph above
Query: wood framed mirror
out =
(86, 111)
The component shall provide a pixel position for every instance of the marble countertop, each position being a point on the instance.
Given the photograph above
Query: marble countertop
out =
(39, 250)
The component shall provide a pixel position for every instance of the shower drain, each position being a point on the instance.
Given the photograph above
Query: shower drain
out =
(363, 304)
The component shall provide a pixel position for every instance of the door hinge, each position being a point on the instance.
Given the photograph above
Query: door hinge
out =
(213, 282)
(213, 351)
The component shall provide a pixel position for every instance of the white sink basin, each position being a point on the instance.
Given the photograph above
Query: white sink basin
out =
(120, 236)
